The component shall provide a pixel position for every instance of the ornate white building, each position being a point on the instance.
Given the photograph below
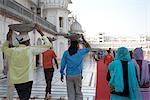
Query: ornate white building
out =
(51, 15)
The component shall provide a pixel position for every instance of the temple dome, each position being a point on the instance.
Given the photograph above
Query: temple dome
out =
(76, 27)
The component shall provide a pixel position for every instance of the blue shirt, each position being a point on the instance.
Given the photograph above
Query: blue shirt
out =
(73, 63)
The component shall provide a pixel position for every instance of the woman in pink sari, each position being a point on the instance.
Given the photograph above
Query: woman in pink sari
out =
(143, 72)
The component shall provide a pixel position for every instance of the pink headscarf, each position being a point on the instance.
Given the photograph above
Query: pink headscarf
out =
(145, 75)
(138, 54)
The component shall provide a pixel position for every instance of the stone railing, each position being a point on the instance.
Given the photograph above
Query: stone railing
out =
(13, 9)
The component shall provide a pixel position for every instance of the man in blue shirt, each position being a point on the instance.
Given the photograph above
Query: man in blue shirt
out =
(72, 62)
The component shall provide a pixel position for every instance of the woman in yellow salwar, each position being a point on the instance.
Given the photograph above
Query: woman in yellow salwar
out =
(123, 82)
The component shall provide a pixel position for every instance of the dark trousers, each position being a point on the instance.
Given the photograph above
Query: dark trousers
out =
(24, 90)
(48, 77)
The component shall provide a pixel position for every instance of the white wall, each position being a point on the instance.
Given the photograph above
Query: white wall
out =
(61, 44)
(51, 16)
(64, 14)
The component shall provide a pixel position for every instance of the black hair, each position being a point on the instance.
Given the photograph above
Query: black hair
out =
(108, 51)
(73, 48)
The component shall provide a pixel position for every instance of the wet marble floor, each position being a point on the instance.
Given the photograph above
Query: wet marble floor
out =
(58, 88)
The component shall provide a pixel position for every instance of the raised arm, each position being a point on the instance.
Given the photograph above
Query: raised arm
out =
(43, 47)
(85, 43)
(8, 44)
(9, 37)
(44, 38)
(37, 27)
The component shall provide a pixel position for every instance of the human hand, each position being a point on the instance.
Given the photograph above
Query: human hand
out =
(10, 30)
(9, 35)
(62, 78)
(37, 27)
(81, 77)
(145, 85)
(82, 36)
(112, 88)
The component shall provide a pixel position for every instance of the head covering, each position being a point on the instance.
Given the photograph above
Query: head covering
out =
(117, 78)
(73, 47)
(14, 40)
(23, 37)
(138, 54)
(123, 54)
(143, 75)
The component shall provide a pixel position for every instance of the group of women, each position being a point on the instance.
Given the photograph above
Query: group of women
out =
(129, 76)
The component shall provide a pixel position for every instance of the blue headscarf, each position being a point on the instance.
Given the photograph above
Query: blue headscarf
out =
(116, 72)
(123, 54)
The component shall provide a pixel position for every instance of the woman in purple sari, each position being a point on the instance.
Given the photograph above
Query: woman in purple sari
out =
(143, 73)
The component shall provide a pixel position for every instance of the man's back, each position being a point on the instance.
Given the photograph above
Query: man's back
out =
(48, 57)
(74, 62)
(21, 60)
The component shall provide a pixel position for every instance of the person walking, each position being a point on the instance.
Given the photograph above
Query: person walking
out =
(143, 72)
(48, 57)
(123, 82)
(108, 58)
(21, 58)
(142, 67)
(72, 61)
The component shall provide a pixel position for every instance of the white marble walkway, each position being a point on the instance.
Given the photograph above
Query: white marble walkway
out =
(58, 88)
